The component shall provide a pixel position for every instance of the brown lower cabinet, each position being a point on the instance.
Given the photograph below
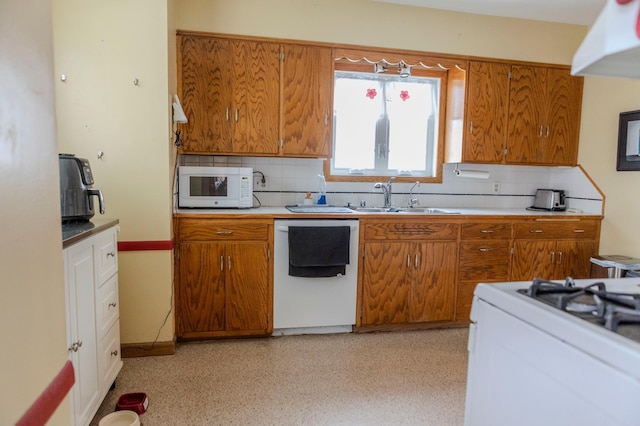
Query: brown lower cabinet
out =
(417, 271)
(224, 271)
(552, 260)
(554, 249)
(485, 256)
(521, 250)
(412, 270)
(406, 283)
(410, 276)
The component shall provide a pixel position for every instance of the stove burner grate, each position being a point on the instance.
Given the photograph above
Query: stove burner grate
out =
(610, 309)
(615, 316)
(549, 287)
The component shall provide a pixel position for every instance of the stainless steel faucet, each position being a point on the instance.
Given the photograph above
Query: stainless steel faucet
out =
(386, 190)
(413, 201)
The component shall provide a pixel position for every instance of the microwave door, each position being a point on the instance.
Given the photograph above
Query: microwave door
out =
(209, 186)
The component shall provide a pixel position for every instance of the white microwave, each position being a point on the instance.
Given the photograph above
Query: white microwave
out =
(215, 187)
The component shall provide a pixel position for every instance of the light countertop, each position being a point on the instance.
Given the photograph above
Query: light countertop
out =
(282, 212)
(75, 232)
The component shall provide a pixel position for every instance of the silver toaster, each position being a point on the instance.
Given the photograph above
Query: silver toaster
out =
(549, 199)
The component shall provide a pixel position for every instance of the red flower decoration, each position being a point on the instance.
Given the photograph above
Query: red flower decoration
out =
(404, 95)
(371, 93)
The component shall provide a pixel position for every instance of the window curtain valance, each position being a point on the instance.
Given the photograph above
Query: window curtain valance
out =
(349, 56)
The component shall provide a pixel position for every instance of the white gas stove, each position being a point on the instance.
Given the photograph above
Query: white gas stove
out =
(540, 353)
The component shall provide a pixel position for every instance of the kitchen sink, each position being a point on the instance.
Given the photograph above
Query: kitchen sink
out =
(427, 210)
(373, 209)
(417, 210)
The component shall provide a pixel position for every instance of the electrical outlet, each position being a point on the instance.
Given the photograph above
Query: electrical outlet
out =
(260, 182)
(496, 187)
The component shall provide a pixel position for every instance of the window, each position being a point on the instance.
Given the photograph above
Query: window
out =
(386, 124)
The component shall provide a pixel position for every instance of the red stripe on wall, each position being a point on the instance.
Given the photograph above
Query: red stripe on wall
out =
(46, 404)
(145, 245)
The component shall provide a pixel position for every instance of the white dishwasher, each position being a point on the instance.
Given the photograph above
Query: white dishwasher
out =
(303, 305)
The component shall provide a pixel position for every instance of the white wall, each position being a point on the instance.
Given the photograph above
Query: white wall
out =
(32, 301)
(604, 99)
(369, 23)
(102, 47)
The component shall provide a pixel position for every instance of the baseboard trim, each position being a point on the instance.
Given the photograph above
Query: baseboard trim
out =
(410, 326)
(132, 350)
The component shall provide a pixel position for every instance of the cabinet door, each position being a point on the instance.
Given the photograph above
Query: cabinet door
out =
(202, 287)
(562, 118)
(308, 97)
(79, 272)
(487, 104)
(206, 74)
(247, 286)
(386, 287)
(574, 258)
(533, 259)
(255, 109)
(433, 290)
(526, 106)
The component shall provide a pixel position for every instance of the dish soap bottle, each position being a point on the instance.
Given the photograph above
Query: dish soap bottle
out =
(322, 197)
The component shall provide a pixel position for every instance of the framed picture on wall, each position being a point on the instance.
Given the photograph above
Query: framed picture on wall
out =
(629, 141)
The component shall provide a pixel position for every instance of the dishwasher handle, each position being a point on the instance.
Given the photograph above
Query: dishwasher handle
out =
(286, 228)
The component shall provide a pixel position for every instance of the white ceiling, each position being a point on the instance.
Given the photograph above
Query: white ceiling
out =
(581, 12)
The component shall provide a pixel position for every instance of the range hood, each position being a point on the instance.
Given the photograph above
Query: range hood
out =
(612, 46)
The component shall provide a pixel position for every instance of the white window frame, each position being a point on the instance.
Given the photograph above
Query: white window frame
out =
(376, 174)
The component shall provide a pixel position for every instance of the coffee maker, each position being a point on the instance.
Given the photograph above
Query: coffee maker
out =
(76, 192)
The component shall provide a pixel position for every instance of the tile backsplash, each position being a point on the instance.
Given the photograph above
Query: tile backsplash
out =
(289, 179)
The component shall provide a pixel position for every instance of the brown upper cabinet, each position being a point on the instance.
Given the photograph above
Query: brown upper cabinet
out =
(488, 88)
(544, 116)
(308, 101)
(230, 95)
(271, 97)
(514, 114)
(254, 97)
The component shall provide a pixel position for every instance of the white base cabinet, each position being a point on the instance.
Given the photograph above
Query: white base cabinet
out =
(93, 326)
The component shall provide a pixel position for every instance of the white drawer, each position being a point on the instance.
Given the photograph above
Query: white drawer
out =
(110, 361)
(107, 306)
(106, 254)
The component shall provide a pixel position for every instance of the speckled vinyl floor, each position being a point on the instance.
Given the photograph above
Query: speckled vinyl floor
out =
(395, 378)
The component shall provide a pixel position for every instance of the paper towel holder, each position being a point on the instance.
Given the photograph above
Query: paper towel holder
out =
(474, 174)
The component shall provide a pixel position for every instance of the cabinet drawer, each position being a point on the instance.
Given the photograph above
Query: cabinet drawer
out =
(408, 231)
(211, 229)
(557, 230)
(110, 360)
(107, 306)
(106, 247)
(482, 231)
(482, 260)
